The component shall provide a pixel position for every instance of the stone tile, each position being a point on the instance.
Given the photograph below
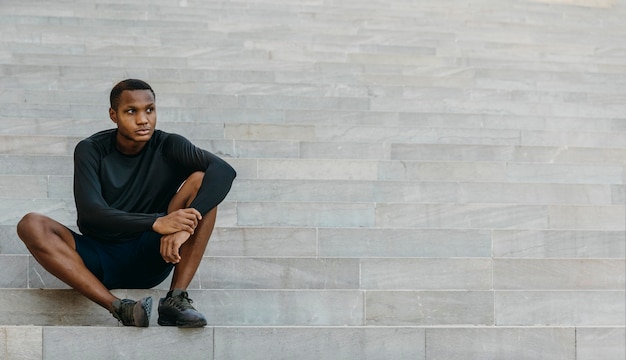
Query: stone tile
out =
(473, 121)
(562, 173)
(50, 307)
(278, 273)
(424, 308)
(193, 130)
(433, 243)
(246, 168)
(563, 274)
(261, 241)
(45, 145)
(36, 165)
(501, 343)
(329, 117)
(333, 150)
(619, 194)
(62, 210)
(39, 278)
(10, 243)
(574, 139)
(604, 343)
(197, 100)
(416, 192)
(226, 214)
(559, 244)
(305, 190)
(14, 274)
(60, 187)
(68, 342)
(319, 343)
(378, 134)
(318, 169)
(24, 187)
(461, 216)
(610, 217)
(560, 308)
(21, 342)
(269, 132)
(442, 171)
(281, 307)
(417, 274)
(222, 148)
(73, 129)
(267, 149)
(222, 115)
(532, 154)
(534, 193)
(299, 214)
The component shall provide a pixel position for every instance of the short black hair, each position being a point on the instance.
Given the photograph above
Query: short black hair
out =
(128, 84)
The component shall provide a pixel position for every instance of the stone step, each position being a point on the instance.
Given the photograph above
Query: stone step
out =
(375, 215)
(313, 138)
(185, 119)
(319, 273)
(307, 242)
(434, 189)
(427, 180)
(57, 172)
(354, 342)
(339, 307)
(174, 96)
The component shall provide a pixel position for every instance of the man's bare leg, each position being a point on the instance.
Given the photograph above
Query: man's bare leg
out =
(53, 246)
(192, 251)
(186, 251)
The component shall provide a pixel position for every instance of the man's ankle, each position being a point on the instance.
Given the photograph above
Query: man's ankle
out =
(175, 291)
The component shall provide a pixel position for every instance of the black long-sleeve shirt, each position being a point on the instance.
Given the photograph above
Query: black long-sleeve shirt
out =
(119, 196)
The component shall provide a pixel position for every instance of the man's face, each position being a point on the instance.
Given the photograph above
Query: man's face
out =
(135, 118)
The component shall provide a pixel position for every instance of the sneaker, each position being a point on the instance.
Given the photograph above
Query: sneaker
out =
(175, 310)
(133, 313)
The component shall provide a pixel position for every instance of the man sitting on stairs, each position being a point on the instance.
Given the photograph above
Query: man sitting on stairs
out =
(146, 202)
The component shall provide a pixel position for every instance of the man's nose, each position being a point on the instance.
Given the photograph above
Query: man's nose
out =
(142, 118)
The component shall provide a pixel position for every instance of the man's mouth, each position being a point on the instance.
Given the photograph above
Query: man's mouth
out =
(143, 132)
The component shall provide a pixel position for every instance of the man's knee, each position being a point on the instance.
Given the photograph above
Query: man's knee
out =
(33, 228)
(27, 224)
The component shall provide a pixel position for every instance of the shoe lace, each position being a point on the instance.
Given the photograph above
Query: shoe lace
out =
(182, 301)
(124, 312)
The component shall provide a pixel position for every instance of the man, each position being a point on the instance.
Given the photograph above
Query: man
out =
(146, 202)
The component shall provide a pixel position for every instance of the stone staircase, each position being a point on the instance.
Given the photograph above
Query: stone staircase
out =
(416, 179)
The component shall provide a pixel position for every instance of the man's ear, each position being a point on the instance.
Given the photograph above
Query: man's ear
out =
(113, 115)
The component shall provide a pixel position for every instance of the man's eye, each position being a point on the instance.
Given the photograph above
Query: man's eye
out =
(149, 110)
(130, 111)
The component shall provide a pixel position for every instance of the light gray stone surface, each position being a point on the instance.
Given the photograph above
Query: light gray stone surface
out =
(21, 342)
(153, 342)
(319, 343)
(610, 343)
(560, 308)
(501, 343)
(416, 179)
(559, 244)
(427, 308)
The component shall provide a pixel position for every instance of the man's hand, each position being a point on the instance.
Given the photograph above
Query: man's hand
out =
(170, 244)
(179, 220)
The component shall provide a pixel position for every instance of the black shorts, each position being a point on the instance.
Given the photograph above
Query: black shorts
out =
(135, 264)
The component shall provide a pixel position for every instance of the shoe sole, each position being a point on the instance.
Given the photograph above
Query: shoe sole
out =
(142, 311)
(193, 324)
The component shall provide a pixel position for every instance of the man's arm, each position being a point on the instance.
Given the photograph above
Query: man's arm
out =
(179, 220)
(94, 213)
(218, 174)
